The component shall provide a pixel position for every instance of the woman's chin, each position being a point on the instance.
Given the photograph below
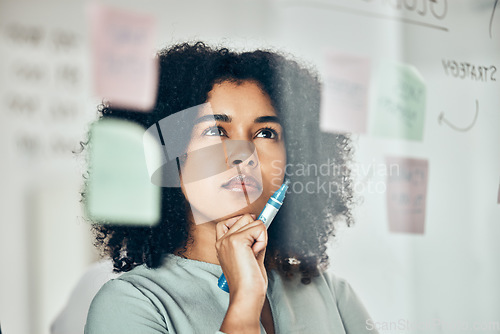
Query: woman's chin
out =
(225, 204)
(218, 216)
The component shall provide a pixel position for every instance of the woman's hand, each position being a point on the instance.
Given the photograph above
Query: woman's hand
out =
(241, 248)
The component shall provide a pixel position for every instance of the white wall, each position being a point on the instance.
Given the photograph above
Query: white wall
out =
(448, 273)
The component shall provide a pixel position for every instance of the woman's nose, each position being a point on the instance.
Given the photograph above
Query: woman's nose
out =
(240, 152)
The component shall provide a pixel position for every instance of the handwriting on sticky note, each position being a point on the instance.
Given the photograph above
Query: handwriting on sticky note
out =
(406, 194)
(125, 72)
(399, 110)
(344, 103)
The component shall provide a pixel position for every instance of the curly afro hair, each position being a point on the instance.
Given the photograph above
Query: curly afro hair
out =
(300, 232)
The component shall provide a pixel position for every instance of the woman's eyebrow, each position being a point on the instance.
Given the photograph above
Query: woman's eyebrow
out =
(267, 119)
(215, 117)
(227, 119)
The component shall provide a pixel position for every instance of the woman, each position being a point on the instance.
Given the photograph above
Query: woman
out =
(276, 277)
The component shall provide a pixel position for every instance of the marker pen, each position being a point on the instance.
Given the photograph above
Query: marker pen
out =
(266, 216)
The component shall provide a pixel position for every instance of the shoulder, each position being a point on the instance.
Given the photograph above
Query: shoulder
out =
(339, 286)
(326, 284)
(341, 290)
(137, 284)
(352, 311)
(123, 306)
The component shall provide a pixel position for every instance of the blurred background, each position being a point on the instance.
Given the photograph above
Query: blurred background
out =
(421, 76)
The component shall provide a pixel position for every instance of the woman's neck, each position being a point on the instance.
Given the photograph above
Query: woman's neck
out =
(202, 245)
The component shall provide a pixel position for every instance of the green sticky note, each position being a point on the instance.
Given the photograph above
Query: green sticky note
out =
(119, 190)
(399, 102)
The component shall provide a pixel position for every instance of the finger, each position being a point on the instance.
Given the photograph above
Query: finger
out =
(260, 260)
(252, 224)
(240, 223)
(255, 235)
(220, 230)
(260, 243)
(222, 227)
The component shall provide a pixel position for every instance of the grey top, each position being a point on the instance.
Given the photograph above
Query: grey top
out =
(182, 296)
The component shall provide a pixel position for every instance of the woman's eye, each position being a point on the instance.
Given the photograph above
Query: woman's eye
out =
(267, 133)
(214, 131)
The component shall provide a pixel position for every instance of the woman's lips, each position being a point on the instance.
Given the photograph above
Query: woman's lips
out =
(242, 182)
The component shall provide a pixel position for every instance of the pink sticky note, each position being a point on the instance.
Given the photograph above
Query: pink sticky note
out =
(124, 68)
(406, 194)
(344, 104)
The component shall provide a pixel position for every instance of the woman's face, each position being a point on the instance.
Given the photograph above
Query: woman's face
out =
(236, 157)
